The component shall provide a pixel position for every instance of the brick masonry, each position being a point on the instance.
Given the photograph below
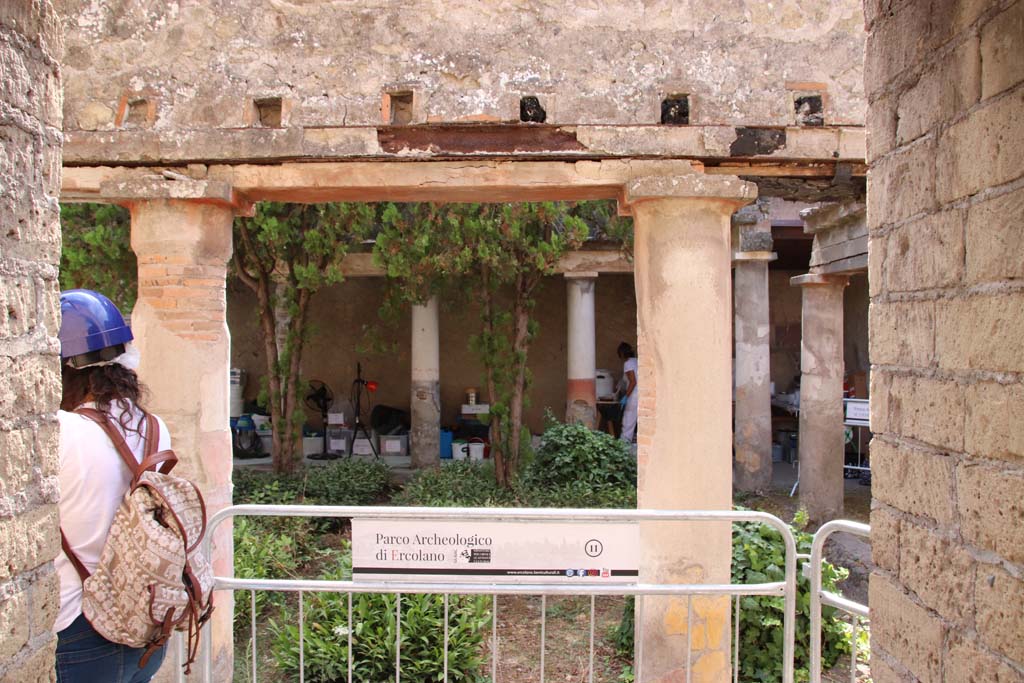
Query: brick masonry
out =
(30, 136)
(945, 85)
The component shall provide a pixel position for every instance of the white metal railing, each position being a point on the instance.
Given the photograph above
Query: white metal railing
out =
(819, 597)
(785, 588)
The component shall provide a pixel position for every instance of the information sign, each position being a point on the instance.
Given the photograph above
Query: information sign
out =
(858, 412)
(482, 552)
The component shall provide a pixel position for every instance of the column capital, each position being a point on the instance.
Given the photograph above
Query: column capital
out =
(581, 275)
(730, 189)
(175, 187)
(814, 279)
(747, 256)
(833, 215)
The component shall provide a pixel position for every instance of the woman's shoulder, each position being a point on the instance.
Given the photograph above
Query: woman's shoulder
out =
(71, 422)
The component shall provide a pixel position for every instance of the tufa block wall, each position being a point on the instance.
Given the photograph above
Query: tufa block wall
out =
(30, 137)
(945, 83)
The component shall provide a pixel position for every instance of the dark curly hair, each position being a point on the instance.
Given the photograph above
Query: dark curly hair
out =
(106, 385)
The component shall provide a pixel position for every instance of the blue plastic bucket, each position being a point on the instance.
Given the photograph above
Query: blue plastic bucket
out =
(446, 444)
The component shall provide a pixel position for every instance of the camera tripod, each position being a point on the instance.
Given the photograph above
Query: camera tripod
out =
(357, 392)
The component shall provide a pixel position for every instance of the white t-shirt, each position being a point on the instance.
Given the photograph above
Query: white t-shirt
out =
(628, 366)
(93, 481)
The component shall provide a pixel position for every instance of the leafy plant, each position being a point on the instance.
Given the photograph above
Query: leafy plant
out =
(342, 482)
(96, 252)
(500, 253)
(345, 482)
(575, 495)
(285, 254)
(574, 455)
(374, 632)
(470, 484)
(758, 556)
(457, 484)
(264, 552)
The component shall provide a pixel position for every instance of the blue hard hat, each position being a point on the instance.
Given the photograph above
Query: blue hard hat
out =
(90, 324)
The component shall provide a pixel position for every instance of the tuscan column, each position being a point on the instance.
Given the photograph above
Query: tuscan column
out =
(752, 432)
(581, 387)
(181, 234)
(425, 439)
(821, 395)
(682, 262)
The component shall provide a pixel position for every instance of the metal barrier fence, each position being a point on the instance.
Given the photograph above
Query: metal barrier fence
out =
(785, 588)
(819, 597)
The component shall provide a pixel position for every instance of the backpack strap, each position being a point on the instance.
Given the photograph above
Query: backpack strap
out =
(151, 459)
(83, 573)
(116, 438)
(152, 436)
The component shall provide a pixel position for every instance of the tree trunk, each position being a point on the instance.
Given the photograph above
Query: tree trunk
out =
(520, 350)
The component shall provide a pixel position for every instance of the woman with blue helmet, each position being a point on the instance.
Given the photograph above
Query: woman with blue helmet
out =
(97, 371)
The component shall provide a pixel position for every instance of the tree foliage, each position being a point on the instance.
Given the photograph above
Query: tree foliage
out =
(97, 253)
(285, 254)
(497, 254)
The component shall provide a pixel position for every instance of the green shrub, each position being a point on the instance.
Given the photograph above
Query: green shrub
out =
(265, 551)
(758, 556)
(373, 635)
(342, 482)
(456, 484)
(470, 484)
(264, 488)
(575, 495)
(575, 454)
(345, 482)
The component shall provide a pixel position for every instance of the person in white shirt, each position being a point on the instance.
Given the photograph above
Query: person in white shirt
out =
(97, 371)
(631, 398)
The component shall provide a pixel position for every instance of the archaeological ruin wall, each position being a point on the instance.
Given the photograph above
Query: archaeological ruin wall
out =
(945, 209)
(30, 149)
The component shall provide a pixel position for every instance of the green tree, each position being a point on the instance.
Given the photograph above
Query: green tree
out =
(286, 253)
(96, 252)
(499, 253)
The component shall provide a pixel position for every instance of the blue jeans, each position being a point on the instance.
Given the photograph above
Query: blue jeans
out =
(84, 656)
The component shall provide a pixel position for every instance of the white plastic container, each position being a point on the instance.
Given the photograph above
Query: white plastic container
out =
(605, 384)
(267, 440)
(312, 445)
(394, 444)
(362, 446)
(339, 441)
(476, 450)
(235, 389)
(460, 450)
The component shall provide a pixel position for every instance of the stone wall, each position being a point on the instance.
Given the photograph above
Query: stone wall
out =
(192, 65)
(30, 140)
(945, 208)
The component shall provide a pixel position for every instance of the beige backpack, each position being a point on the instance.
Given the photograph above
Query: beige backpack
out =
(152, 578)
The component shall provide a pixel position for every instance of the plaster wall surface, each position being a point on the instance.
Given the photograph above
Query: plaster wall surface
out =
(201, 64)
(30, 389)
(784, 316)
(945, 209)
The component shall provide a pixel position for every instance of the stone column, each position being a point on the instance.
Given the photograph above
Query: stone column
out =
(181, 234)
(752, 431)
(821, 396)
(425, 439)
(581, 387)
(682, 261)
